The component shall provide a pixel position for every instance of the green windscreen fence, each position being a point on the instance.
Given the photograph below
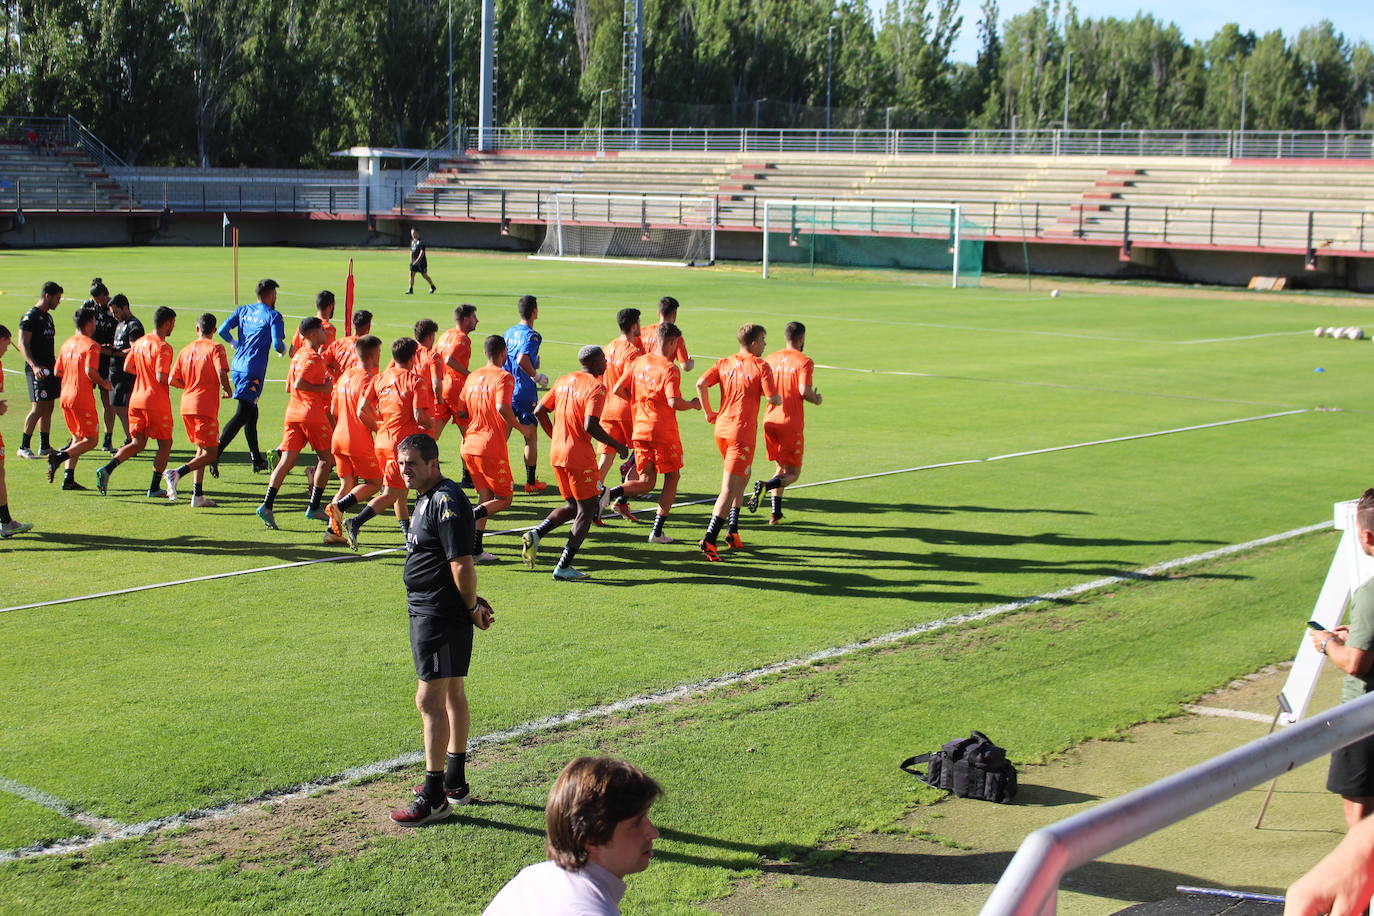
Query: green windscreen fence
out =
(898, 238)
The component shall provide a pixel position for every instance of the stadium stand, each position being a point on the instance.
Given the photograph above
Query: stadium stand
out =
(49, 176)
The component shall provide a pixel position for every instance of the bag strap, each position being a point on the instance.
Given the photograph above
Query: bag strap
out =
(909, 764)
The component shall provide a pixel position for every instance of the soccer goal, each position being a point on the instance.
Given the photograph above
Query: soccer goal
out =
(871, 233)
(629, 229)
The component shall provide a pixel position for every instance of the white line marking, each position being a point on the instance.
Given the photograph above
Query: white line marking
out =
(682, 504)
(1207, 340)
(657, 698)
(53, 803)
(1227, 713)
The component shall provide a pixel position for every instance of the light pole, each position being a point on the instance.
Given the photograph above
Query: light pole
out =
(829, 67)
(1244, 91)
(757, 103)
(600, 135)
(887, 127)
(1068, 69)
(450, 74)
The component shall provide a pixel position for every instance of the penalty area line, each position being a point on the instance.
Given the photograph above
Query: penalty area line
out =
(116, 831)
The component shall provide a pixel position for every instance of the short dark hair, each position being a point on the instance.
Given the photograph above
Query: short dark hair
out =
(526, 307)
(422, 443)
(163, 315)
(206, 323)
(668, 330)
(466, 310)
(750, 332)
(425, 327)
(119, 301)
(794, 330)
(368, 344)
(626, 319)
(323, 298)
(98, 288)
(51, 289)
(362, 319)
(4, 333)
(667, 306)
(403, 349)
(310, 324)
(1364, 510)
(494, 345)
(266, 286)
(588, 799)
(83, 317)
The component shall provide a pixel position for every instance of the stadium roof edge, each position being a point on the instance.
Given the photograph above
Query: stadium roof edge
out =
(391, 152)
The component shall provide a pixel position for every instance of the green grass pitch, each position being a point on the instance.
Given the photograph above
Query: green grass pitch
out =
(145, 705)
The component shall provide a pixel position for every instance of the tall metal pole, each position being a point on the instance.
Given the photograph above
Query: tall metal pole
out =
(486, 85)
(1244, 91)
(757, 103)
(829, 67)
(637, 73)
(450, 74)
(1068, 69)
(600, 133)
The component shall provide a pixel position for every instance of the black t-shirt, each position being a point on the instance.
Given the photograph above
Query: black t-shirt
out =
(105, 323)
(127, 332)
(441, 529)
(39, 324)
(417, 252)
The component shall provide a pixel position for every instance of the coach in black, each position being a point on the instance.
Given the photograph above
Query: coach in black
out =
(441, 596)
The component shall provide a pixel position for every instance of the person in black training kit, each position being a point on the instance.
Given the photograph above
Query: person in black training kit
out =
(419, 262)
(443, 605)
(105, 326)
(127, 331)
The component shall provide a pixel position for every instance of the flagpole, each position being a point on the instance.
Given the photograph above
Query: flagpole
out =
(235, 231)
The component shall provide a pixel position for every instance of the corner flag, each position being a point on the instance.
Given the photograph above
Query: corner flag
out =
(222, 228)
(348, 299)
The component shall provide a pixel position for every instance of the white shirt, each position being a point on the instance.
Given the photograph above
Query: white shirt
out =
(547, 890)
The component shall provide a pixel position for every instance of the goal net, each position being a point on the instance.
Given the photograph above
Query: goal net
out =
(885, 234)
(630, 228)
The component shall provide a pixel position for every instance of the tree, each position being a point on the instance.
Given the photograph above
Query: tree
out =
(216, 35)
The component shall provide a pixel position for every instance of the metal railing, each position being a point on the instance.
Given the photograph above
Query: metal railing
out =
(1030, 885)
(48, 135)
(1313, 144)
(189, 196)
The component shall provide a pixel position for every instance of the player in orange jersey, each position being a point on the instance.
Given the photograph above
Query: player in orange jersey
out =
(354, 406)
(78, 366)
(202, 372)
(324, 310)
(402, 401)
(654, 386)
(616, 417)
(783, 425)
(454, 351)
(149, 361)
(576, 400)
(744, 380)
(307, 423)
(431, 368)
(342, 354)
(491, 418)
(667, 312)
(8, 526)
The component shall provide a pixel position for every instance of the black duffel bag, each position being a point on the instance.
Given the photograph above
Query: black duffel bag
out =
(971, 767)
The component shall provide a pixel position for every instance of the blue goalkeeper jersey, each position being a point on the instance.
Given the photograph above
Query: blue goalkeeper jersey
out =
(261, 330)
(521, 340)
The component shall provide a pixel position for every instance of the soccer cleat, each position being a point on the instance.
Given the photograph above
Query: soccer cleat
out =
(603, 499)
(214, 470)
(752, 500)
(568, 574)
(350, 533)
(623, 510)
(537, 487)
(156, 494)
(529, 548)
(11, 528)
(331, 539)
(317, 515)
(72, 485)
(336, 520)
(626, 466)
(660, 539)
(102, 481)
(202, 502)
(486, 556)
(47, 451)
(734, 541)
(419, 812)
(53, 464)
(598, 521)
(410, 292)
(267, 517)
(709, 549)
(459, 796)
(433, 288)
(170, 477)
(775, 519)
(26, 453)
(110, 449)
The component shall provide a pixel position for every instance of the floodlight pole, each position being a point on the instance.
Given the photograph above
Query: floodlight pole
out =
(450, 74)
(757, 103)
(829, 67)
(887, 127)
(600, 134)
(1244, 91)
(1068, 69)
(486, 88)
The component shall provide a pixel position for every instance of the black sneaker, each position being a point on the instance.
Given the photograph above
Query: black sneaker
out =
(214, 470)
(72, 485)
(459, 796)
(419, 812)
(751, 502)
(54, 463)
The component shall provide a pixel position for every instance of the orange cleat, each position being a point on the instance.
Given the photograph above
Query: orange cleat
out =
(734, 541)
(709, 549)
(537, 487)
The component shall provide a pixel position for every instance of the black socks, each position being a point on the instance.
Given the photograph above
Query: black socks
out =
(455, 775)
(270, 498)
(434, 788)
(659, 522)
(348, 502)
(713, 528)
(734, 519)
(529, 473)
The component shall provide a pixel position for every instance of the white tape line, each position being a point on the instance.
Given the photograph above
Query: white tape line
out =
(1163, 432)
(53, 803)
(1218, 712)
(656, 698)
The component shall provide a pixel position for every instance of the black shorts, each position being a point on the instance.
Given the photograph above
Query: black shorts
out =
(1352, 770)
(442, 646)
(106, 369)
(422, 267)
(122, 390)
(48, 388)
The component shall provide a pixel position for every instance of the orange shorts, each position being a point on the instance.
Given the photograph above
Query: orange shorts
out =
(739, 456)
(619, 430)
(83, 422)
(577, 483)
(664, 456)
(390, 471)
(155, 424)
(785, 444)
(491, 472)
(439, 412)
(298, 433)
(453, 400)
(363, 467)
(203, 431)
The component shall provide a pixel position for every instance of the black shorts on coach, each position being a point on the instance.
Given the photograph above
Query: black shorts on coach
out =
(1352, 770)
(122, 390)
(442, 646)
(48, 388)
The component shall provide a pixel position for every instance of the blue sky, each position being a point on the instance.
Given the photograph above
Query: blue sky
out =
(1197, 18)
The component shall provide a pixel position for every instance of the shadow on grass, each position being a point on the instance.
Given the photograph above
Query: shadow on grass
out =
(306, 547)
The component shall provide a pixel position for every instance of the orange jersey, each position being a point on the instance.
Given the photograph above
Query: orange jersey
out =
(77, 355)
(619, 354)
(400, 392)
(197, 370)
(650, 381)
(422, 364)
(744, 379)
(791, 370)
(572, 399)
(486, 392)
(330, 332)
(454, 344)
(308, 366)
(149, 357)
(342, 355)
(351, 435)
(649, 338)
